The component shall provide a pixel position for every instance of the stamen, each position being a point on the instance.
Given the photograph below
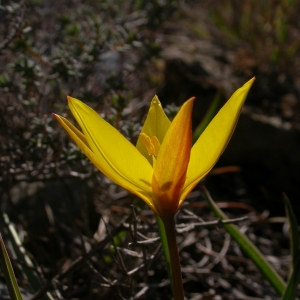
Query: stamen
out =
(156, 144)
(152, 144)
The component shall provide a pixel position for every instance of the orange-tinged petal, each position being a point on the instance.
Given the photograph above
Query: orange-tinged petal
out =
(110, 152)
(172, 161)
(156, 124)
(212, 142)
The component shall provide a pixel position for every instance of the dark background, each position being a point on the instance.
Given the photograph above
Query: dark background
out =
(116, 56)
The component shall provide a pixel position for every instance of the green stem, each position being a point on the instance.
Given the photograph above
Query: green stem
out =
(164, 242)
(169, 224)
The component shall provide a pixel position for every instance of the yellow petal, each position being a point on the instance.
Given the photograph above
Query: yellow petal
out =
(156, 124)
(71, 128)
(212, 142)
(111, 153)
(172, 161)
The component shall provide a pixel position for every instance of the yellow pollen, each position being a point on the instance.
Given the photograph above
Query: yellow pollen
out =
(151, 143)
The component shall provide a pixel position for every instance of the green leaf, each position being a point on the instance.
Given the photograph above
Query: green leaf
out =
(293, 229)
(213, 109)
(27, 265)
(291, 289)
(290, 292)
(249, 248)
(164, 241)
(9, 274)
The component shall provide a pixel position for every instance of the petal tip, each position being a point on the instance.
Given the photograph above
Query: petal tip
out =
(189, 103)
(55, 116)
(72, 102)
(191, 100)
(155, 101)
(250, 82)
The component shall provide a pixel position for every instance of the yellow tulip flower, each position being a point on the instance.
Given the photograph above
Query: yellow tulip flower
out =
(164, 167)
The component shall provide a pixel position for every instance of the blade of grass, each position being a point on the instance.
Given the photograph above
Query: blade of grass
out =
(9, 274)
(26, 263)
(213, 109)
(164, 241)
(249, 248)
(291, 289)
(290, 292)
(293, 229)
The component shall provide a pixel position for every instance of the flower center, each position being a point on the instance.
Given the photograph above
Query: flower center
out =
(151, 143)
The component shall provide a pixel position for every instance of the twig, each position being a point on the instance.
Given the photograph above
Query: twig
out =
(187, 227)
(16, 28)
(77, 263)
